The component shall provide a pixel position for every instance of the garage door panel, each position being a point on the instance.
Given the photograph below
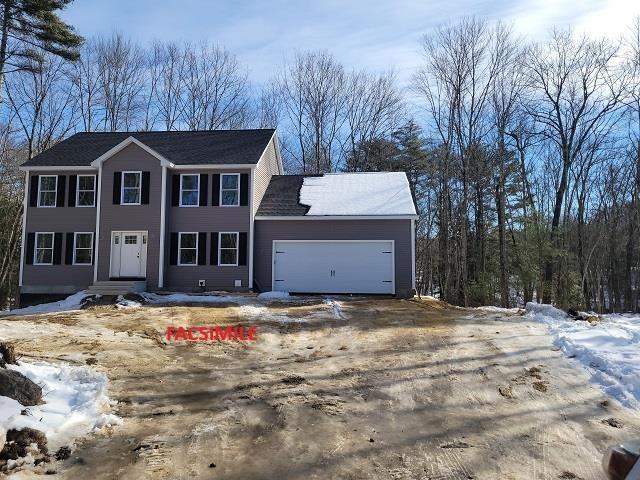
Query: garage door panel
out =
(334, 266)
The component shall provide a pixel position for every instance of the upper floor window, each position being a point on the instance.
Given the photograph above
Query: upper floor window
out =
(82, 248)
(229, 189)
(228, 249)
(43, 252)
(131, 186)
(86, 192)
(47, 188)
(189, 190)
(187, 248)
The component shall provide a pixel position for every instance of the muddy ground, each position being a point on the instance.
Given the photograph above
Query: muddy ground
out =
(355, 389)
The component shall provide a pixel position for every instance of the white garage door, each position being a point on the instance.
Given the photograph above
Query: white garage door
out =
(333, 266)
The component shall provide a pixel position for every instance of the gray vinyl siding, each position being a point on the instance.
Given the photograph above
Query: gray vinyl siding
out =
(398, 230)
(205, 219)
(58, 278)
(265, 169)
(131, 217)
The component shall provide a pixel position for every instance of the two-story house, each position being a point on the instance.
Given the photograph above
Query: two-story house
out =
(207, 210)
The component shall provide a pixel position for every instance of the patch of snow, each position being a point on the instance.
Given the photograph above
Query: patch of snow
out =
(186, 298)
(336, 309)
(271, 296)
(76, 403)
(492, 309)
(72, 302)
(372, 193)
(609, 349)
(122, 302)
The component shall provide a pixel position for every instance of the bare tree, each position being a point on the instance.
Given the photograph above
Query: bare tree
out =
(121, 69)
(214, 89)
(577, 88)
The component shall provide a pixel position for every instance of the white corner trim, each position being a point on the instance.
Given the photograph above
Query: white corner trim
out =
(339, 217)
(163, 207)
(276, 145)
(125, 143)
(27, 187)
(413, 254)
(96, 258)
(251, 221)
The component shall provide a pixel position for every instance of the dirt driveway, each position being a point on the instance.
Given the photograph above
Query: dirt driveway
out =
(353, 389)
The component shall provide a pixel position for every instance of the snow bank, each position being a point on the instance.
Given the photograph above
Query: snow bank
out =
(186, 298)
(72, 302)
(76, 403)
(271, 296)
(371, 193)
(609, 349)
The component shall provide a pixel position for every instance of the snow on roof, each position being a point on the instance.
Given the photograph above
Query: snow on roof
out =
(375, 193)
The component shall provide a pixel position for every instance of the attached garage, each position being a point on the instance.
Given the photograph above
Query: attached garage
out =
(348, 247)
(333, 266)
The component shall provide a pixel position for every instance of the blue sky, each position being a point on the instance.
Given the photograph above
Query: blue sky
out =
(362, 34)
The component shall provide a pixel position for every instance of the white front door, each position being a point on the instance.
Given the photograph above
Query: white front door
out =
(128, 254)
(333, 266)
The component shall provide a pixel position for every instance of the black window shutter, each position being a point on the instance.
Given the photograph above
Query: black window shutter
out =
(215, 190)
(175, 189)
(31, 241)
(242, 248)
(244, 189)
(57, 248)
(146, 177)
(33, 191)
(62, 181)
(214, 248)
(202, 248)
(204, 189)
(73, 181)
(173, 250)
(117, 183)
(68, 252)
(93, 248)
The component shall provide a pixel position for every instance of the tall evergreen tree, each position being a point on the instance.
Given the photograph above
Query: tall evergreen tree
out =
(30, 26)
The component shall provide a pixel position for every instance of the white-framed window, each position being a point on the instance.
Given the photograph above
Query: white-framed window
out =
(43, 251)
(187, 248)
(86, 191)
(229, 189)
(228, 249)
(189, 190)
(131, 188)
(47, 190)
(82, 248)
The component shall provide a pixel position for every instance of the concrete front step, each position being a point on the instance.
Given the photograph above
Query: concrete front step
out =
(117, 287)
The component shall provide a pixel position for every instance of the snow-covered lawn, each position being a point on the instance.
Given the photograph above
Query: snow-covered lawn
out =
(76, 403)
(608, 349)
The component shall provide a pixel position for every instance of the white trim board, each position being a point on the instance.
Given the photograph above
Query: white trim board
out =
(27, 186)
(339, 217)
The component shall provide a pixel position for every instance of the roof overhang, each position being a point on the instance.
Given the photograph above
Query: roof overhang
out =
(59, 168)
(338, 217)
(125, 143)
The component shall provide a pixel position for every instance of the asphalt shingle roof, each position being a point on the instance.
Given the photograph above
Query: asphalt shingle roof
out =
(216, 147)
(282, 195)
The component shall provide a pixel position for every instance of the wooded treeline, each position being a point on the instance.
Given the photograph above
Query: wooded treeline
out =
(523, 158)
